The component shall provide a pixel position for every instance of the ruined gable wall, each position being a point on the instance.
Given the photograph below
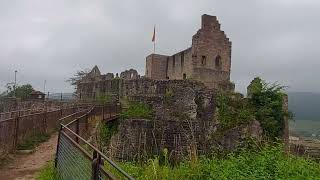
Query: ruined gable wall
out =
(207, 44)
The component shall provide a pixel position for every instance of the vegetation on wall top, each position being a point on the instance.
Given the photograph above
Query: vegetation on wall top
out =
(137, 110)
(264, 103)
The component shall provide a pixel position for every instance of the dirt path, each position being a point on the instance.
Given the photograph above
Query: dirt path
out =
(25, 166)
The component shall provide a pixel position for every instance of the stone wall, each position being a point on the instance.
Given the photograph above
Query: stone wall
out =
(156, 66)
(142, 139)
(184, 122)
(208, 60)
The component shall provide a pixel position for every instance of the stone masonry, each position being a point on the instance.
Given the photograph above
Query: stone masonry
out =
(208, 60)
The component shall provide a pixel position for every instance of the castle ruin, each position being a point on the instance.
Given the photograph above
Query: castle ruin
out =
(208, 60)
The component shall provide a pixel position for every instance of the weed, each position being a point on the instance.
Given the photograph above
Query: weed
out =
(137, 110)
(34, 140)
(47, 173)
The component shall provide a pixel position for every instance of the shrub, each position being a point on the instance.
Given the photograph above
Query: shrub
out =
(34, 140)
(137, 110)
(106, 131)
(267, 101)
(233, 110)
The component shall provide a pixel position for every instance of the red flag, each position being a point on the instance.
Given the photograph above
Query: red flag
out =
(154, 34)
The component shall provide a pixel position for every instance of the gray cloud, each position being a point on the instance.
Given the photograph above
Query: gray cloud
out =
(51, 39)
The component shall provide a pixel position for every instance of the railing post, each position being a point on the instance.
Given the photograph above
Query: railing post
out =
(45, 127)
(77, 130)
(16, 133)
(58, 146)
(95, 165)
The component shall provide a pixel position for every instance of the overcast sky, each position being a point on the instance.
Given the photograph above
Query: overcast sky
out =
(52, 39)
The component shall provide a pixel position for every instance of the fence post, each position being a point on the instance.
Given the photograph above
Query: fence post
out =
(45, 120)
(77, 130)
(58, 147)
(16, 133)
(96, 161)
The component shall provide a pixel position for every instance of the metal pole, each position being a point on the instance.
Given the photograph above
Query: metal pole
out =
(15, 82)
(44, 86)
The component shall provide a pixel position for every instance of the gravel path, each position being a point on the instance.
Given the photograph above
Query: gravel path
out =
(25, 166)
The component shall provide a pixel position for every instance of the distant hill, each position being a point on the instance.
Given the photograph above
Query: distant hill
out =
(305, 105)
(65, 96)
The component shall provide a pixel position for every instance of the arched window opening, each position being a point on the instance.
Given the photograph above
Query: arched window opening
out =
(218, 61)
(184, 76)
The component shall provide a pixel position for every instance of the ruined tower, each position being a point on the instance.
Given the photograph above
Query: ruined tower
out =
(208, 59)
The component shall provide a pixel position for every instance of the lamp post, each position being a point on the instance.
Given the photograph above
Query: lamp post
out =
(15, 82)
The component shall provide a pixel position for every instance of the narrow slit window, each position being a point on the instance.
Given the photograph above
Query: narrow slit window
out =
(218, 61)
(203, 60)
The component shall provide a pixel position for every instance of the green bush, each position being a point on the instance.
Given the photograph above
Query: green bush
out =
(264, 103)
(137, 110)
(106, 131)
(269, 163)
(267, 101)
(34, 140)
(233, 110)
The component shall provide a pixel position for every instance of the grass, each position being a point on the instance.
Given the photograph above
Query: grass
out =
(34, 140)
(47, 173)
(269, 163)
(137, 110)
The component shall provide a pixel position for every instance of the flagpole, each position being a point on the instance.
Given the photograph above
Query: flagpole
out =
(154, 39)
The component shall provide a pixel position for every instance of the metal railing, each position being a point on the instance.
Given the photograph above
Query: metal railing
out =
(21, 126)
(13, 114)
(76, 158)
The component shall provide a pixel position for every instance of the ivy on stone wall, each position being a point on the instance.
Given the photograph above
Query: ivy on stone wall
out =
(233, 110)
(264, 103)
(106, 131)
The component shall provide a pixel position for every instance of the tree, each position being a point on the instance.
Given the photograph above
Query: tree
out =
(22, 92)
(78, 76)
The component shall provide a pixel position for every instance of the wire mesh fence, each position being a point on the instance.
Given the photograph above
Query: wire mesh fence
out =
(76, 158)
(71, 162)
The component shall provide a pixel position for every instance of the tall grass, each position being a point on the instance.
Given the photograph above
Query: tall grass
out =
(269, 163)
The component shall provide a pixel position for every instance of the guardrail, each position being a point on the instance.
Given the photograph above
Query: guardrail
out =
(76, 158)
(13, 114)
(17, 129)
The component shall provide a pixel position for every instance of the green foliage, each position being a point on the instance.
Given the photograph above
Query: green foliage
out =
(21, 91)
(106, 132)
(34, 140)
(267, 100)
(233, 110)
(264, 103)
(137, 110)
(47, 173)
(168, 96)
(104, 99)
(269, 163)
